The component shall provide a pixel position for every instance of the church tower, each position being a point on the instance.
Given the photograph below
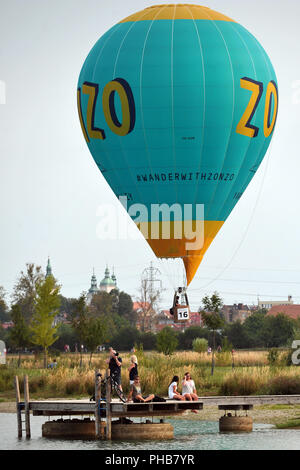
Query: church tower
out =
(93, 289)
(108, 283)
(48, 269)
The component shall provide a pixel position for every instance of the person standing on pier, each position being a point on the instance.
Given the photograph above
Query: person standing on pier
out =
(114, 365)
(133, 368)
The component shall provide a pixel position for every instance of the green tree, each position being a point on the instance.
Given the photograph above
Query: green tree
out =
(200, 345)
(125, 308)
(66, 306)
(212, 319)
(19, 334)
(4, 315)
(125, 338)
(187, 337)
(67, 335)
(47, 302)
(4, 335)
(148, 340)
(25, 290)
(166, 341)
(79, 320)
(253, 327)
(278, 330)
(95, 333)
(237, 335)
(103, 305)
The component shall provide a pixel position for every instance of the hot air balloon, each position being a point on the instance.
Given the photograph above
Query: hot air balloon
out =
(178, 104)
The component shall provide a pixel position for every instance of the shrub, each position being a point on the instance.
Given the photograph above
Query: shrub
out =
(200, 345)
(223, 359)
(284, 385)
(273, 356)
(73, 386)
(245, 382)
(166, 341)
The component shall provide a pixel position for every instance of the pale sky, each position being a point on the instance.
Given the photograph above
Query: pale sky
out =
(51, 189)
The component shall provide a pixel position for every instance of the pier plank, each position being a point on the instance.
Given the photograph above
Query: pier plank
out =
(170, 407)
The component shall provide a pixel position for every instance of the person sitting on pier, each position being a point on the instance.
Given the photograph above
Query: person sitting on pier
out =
(172, 391)
(136, 392)
(189, 389)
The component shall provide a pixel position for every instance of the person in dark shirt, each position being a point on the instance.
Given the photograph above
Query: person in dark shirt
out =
(135, 393)
(133, 369)
(114, 365)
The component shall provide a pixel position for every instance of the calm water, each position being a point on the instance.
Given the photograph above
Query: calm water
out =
(189, 435)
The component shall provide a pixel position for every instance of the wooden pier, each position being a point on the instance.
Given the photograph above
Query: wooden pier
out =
(105, 410)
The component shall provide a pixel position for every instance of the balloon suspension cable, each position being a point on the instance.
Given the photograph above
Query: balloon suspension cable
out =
(173, 271)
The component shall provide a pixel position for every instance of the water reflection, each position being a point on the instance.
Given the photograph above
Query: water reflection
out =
(188, 435)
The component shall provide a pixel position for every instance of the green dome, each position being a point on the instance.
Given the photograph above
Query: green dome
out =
(107, 281)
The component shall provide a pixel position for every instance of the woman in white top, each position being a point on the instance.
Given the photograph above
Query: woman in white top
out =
(172, 392)
(188, 388)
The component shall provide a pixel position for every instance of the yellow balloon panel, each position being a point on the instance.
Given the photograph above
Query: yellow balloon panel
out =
(177, 239)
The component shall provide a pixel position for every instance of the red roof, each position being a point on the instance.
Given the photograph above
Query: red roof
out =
(8, 324)
(195, 319)
(139, 305)
(292, 311)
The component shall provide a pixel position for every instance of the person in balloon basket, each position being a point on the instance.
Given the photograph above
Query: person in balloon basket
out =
(114, 365)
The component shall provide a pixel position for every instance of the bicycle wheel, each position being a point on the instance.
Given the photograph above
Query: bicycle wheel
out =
(117, 390)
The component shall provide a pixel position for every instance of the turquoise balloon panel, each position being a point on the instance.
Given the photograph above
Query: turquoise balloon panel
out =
(185, 77)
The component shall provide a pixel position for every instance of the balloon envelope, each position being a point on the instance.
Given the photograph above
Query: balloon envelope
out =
(178, 105)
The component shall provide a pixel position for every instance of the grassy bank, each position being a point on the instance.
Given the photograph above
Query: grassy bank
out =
(290, 424)
(251, 374)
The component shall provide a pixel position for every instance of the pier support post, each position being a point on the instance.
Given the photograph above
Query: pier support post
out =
(27, 408)
(18, 400)
(229, 423)
(97, 404)
(108, 407)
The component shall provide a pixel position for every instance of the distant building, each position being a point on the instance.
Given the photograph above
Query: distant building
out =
(146, 316)
(108, 283)
(7, 324)
(268, 304)
(93, 289)
(196, 319)
(48, 269)
(236, 312)
(291, 311)
(164, 318)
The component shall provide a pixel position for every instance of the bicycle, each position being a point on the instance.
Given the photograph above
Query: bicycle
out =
(115, 389)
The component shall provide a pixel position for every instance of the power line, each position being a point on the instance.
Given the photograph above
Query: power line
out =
(249, 223)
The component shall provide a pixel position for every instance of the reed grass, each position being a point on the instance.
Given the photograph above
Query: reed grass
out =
(252, 374)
